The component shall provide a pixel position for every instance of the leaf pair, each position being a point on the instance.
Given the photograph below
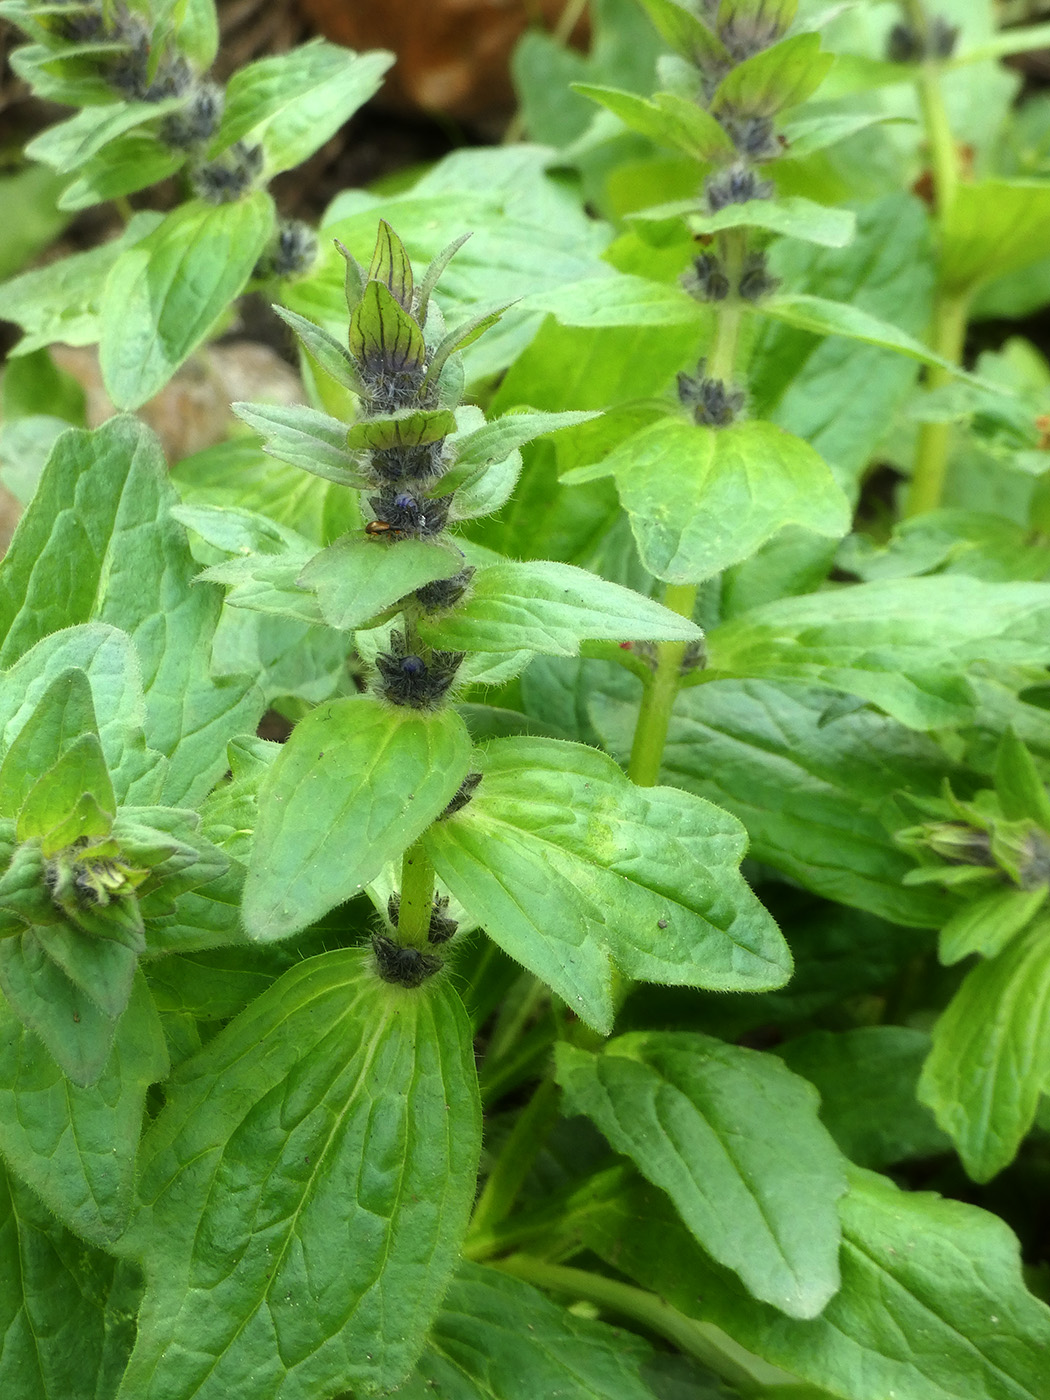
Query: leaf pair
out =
(646, 882)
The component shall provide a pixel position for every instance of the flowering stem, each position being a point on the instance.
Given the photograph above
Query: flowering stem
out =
(947, 334)
(948, 326)
(650, 733)
(698, 1339)
(416, 898)
(721, 359)
(515, 1160)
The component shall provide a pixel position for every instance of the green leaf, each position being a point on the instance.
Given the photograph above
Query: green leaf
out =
(305, 437)
(700, 499)
(625, 300)
(268, 583)
(63, 713)
(72, 143)
(108, 659)
(77, 1035)
(333, 358)
(291, 103)
(686, 34)
(358, 578)
(733, 1137)
(812, 794)
(835, 392)
(390, 265)
(129, 163)
(353, 787)
(165, 295)
(53, 798)
(898, 643)
(988, 924)
(312, 1259)
(238, 473)
(61, 302)
(778, 77)
(99, 542)
(76, 1147)
(529, 233)
(794, 216)
(411, 428)
(497, 1338)
(63, 1339)
(1016, 39)
(65, 78)
(552, 608)
(807, 133)
(1020, 788)
(458, 339)
(990, 1060)
(825, 317)
(575, 872)
(383, 335)
(668, 120)
(196, 28)
(240, 532)
(992, 228)
(495, 441)
(867, 1080)
(932, 1304)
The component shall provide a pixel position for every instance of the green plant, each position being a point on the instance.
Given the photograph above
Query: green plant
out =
(261, 999)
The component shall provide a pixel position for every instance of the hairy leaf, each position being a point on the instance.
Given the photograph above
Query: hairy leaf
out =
(574, 872)
(734, 1140)
(552, 608)
(353, 787)
(701, 499)
(164, 295)
(990, 1060)
(932, 1304)
(305, 1190)
(99, 542)
(76, 1147)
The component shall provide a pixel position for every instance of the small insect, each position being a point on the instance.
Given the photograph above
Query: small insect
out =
(382, 528)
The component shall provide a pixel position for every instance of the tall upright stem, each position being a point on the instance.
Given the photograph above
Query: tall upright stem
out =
(947, 335)
(514, 1162)
(416, 898)
(654, 717)
(948, 327)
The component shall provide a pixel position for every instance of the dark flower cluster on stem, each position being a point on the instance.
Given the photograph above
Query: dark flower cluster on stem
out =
(401, 437)
(139, 67)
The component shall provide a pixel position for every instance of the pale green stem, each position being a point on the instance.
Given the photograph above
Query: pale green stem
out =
(947, 334)
(654, 717)
(514, 1017)
(944, 153)
(948, 326)
(694, 1338)
(416, 898)
(515, 1160)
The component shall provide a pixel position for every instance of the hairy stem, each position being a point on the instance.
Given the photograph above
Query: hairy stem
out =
(947, 335)
(416, 898)
(515, 1160)
(944, 153)
(721, 358)
(948, 326)
(650, 734)
(698, 1339)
